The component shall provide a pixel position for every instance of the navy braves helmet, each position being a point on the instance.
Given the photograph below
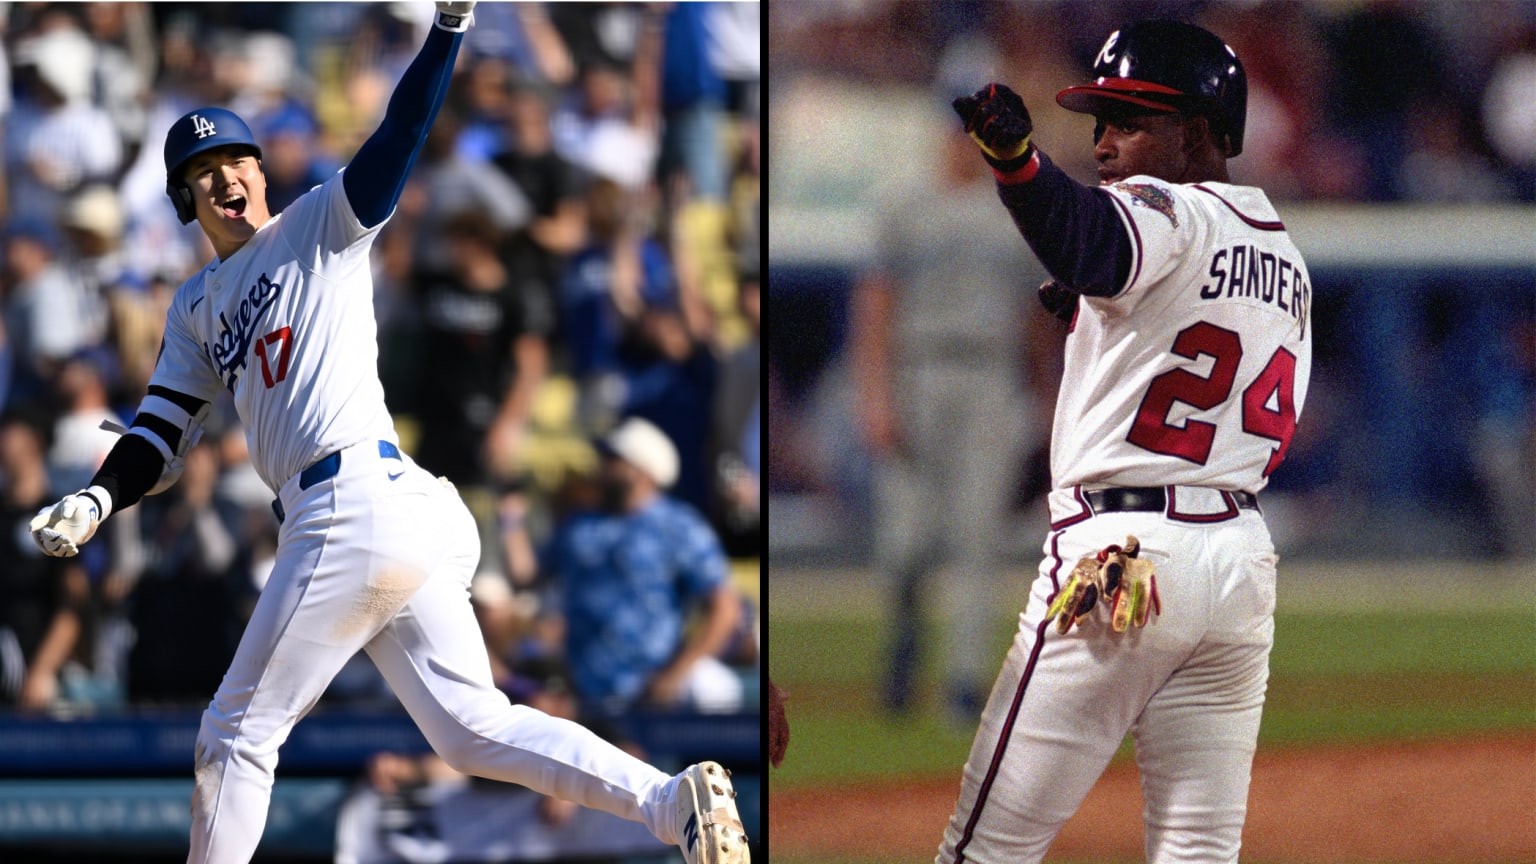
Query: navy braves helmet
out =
(1168, 66)
(203, 129)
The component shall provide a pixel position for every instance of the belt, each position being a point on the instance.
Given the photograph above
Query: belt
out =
(327, 468)
(1119, 499)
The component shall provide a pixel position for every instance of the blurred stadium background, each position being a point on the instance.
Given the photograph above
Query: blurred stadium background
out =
(1396, 140)
(573, 134)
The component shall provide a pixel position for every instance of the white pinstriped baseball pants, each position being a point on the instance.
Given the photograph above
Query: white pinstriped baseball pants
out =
(379, 564)
(1189, 688)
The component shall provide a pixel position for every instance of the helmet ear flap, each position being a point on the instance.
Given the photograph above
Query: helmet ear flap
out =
(181, 199)
(1221, 131)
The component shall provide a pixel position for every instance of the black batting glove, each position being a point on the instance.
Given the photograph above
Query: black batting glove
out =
(1059, 300)
(996, 119)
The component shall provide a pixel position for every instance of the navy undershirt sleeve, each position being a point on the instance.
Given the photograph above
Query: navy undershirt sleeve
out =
(1075, 230)
(134, 466)
(376, 175)
(131, 469)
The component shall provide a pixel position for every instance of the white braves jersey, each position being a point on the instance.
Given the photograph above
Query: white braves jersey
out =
(286, 326)
(1195, 373)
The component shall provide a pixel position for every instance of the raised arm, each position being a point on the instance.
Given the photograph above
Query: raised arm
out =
(1074, 229)
(377, 173)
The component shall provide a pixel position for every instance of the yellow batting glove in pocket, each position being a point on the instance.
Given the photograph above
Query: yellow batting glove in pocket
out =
(1133, 597)
(1126, 582)
(1077, 598)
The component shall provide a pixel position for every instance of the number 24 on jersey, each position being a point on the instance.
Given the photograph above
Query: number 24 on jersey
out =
(1192, 441)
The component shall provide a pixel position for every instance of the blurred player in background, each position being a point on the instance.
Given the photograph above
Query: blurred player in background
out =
(937, 336)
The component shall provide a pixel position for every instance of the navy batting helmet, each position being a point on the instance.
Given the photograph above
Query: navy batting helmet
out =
(1168, 66)
(203, 129)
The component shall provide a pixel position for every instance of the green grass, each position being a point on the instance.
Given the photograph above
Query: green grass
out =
(1376, 642)
(1376, 675)
(1360, 675)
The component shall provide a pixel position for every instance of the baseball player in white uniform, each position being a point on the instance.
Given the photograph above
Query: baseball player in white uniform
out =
(1186, 368)
(374, 552)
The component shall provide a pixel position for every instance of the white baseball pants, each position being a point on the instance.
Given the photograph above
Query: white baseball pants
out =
(1189, 688)
(380, 558)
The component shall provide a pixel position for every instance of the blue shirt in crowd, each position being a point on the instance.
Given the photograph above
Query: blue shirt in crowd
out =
(593, 328)
(628, 582)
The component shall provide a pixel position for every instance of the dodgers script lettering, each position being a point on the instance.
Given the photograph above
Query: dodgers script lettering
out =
(229, 351)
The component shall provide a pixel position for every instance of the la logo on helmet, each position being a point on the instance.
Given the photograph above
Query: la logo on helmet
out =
(202, 126)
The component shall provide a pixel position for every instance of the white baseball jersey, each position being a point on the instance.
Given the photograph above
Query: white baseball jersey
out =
(279, 327)
(1195, 373)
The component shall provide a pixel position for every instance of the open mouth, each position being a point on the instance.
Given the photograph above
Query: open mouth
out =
(234, 207)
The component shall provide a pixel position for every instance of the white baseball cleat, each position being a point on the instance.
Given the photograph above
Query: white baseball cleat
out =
(708, 827)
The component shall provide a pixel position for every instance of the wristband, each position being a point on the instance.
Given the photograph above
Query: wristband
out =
(454, 23)
(1012, 171)
(102, 498)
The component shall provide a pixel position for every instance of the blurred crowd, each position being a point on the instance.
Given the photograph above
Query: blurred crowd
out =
(1367, 101)
(575, 257)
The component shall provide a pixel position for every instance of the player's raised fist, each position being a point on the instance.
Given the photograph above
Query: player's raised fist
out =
(60, 530)
(996, 118)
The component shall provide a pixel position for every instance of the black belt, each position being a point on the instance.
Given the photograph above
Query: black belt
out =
(325, 469)
(1119, 499)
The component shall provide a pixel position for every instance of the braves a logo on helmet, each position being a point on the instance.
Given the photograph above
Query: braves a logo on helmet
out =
(202, 126)
(1109, 47)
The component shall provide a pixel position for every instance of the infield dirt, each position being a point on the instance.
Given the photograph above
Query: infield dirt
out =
(1422, 803)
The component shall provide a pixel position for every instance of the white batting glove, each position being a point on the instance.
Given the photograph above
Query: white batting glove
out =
(60, 530)
(455, 17)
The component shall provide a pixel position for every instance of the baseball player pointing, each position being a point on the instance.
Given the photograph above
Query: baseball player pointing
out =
(374, 553)
(1186, 367)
